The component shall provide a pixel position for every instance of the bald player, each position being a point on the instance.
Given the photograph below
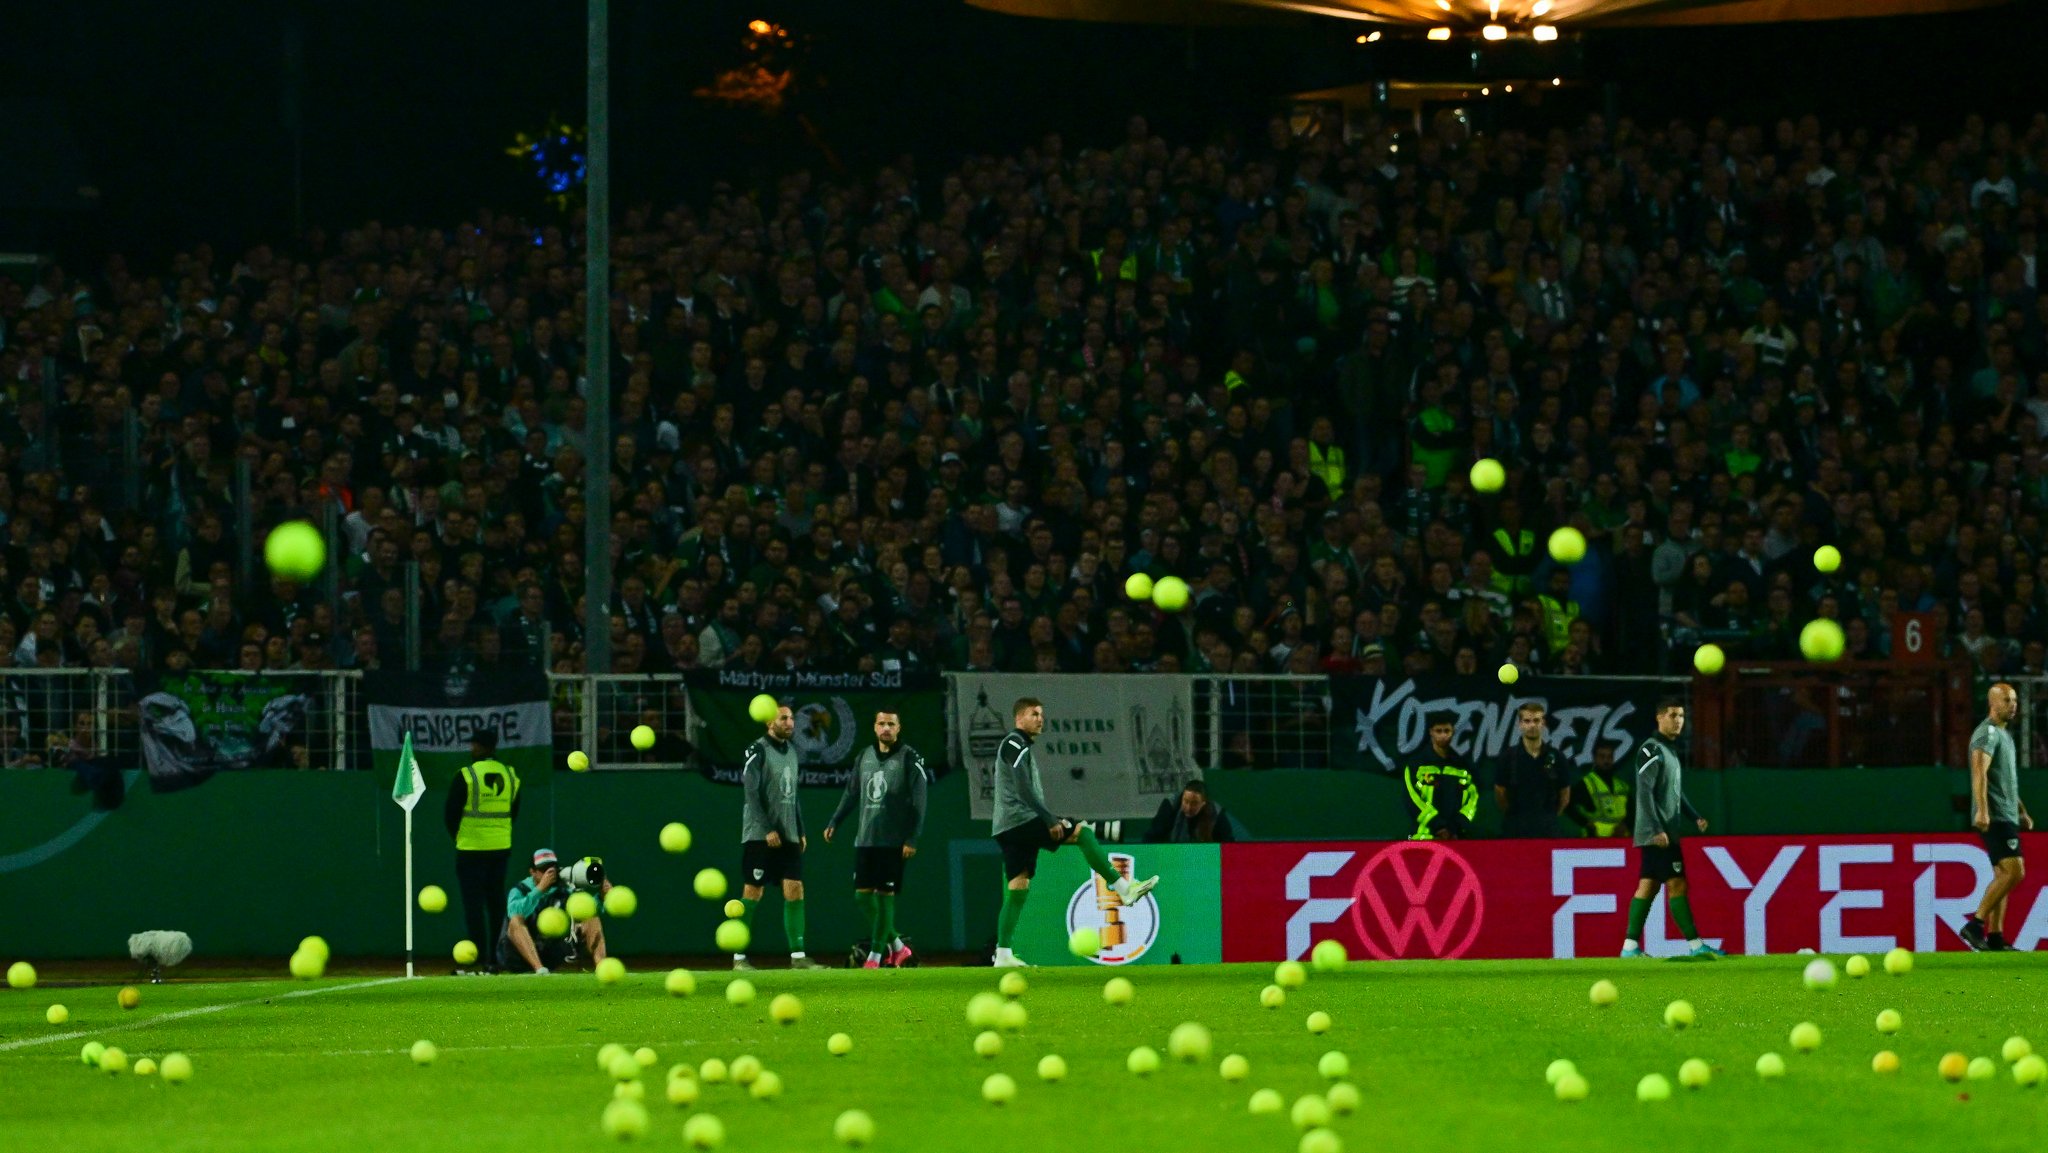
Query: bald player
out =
(1998, 815)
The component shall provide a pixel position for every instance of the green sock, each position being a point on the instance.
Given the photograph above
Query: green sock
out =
(748, 905)
(1638, 916)
(1013, 911)
(793, 924)
(1681, 911)
(870, 915)
(1091, 851)
(885, 921)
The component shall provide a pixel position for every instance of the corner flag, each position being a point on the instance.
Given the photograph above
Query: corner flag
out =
(407, 785)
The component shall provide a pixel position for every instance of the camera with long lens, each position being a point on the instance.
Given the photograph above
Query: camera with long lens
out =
(586, 874)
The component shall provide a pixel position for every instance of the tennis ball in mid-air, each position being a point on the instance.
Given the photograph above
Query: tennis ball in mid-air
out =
(734, 908)
(739, 992)
(675, 837)
(144, 1067)
(553, 922)
(1509, 674)
(1334, 1066)
(175, 1068)
(1272, 996)
(465, 952)
(1982, 1069)
(1488, 475)
(988, 1043)
(1857, 966)
(21, 975)
(1170, 594)
(643, 737)
(1012, 1017)
(763, 708)
(1138, 587)
(1571, 1087)
(1234, 1068)
(1567, 545)
(2014, 1049)
(579, 762)
(315, 946)
(57, 1015)
(295, 550)
(1770, 1065)
(679, 983)
(1653, 1087)
(116, 1061)
(1604, 993)
(1680, 1015)
(1695, 1073)
(703, 1131)
(624, 1119)
(1084, 942)
(1953, 1066)
(1310, 1111)
(1266, 1101)
(580, 906)
(1329, 956)
(854, 1128)
(998, 1089)
(1885, 1061)
(1806, 1037)
(1189, 1042)
(433, 899)
(621, 901)
(611, 971)
(785, 1009)
(1143, 1061)
(839, 1044)
(1821, 641)
(129, 997)
(1290, 975)
(1827, 558)
(1888, 1021)
(1319, 1022)
(1709, 660)
(1118, 991)
(710, 884)
(1819, 974)
(424, 1052)
(1052, 1067)
(1898, 962)
(306, 966)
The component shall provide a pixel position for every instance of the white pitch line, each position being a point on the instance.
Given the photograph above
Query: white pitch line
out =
(54, 1038)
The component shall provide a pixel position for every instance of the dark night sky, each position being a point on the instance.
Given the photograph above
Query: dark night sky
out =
(180, 116)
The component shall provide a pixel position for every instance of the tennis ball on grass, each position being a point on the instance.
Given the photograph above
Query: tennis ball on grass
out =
(1982, 1069)
(1898, 962)
(1343, 1098)
(682, 1091)
(1310, 1111)
(1290, 975)
(433, 899)
(424, 1053)
(854, 1128)
(1557, 1069)
(675, 837)
(1953, 1066)
(116, 1061)
(2029, 1070)
(629, 1091)
(988, 1043)
(623, 1067)
(1118, 991)
(1571, 1087)
(1653, 1087)
(703, 1131)
(608, 1053)
(57, 1015)
(646, 1058)
(839, 1044)
(144, 1067)
(306, 966)
(624, 1119)
(1266, 1101)
(1888, 1021)
(129, 997)
(1012, 1017)
(1604, 993)
(1320, 1140)
(1189, 1042)
(1143, 1061)
(1334, 1066)
(1052, 1067)
(984, 1011)
(739, 992)
(763, 708)
(1012, 985)
(1680, 1015)
(1770, 1065)
(745, 1069)
(679, 982)
(611, 971)
(1272, 996)
(712, 1071)
(998, 1089)
(1820, 974)
(1805, 1037)
(1885, 1061)
(785, 1009)
(2014, 1049)
(1695, 1074)
(1235, 1068)
(1857, 966)
(1319, 1022)
(89, 1054)
(295, 550)
(175, 1069)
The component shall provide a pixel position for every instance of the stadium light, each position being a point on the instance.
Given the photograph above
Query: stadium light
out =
(1369, 38)
(1439, 34)
(1486, 91)
(1542, 7)
(1493, 8)
(1494, 32)
(759, 27)
(1557, 82)
(1544, 33)
(1507, 88)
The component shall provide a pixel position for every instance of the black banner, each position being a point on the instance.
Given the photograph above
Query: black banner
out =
(197, 724)
(1375, 721)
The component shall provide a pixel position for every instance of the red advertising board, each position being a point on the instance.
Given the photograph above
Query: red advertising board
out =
(1417, 899)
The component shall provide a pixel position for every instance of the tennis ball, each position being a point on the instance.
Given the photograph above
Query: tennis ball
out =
(1888, 1021)
(306, 966)
(675, 837)
(1319, 1022)
(1012, 985)
(646, 1058)
(175, 1069)
(1310, 1112)
(1770, 1065)
(581, 906)
(739, 992)
(712, 1071)
(988, 1043)
(763, 708)
(710, 885)
(1827, 558)
(984, 1010)
(1290, 975)
(1138, 587)
(116, 1061)
(433, 899)
(682, 1091)
(424, 1053)
(1819, 974)
(1012, 1017)
(1488, 475)
(553, 921)
(735, 908)
(1234, 1068)
(1272, 996)
(766, 1087)
(1953, 1066)
(1266, 1101)
(854, 1128)
(295, 550)
(643, 737)
(1653, 1088)
(1679, 1015)
(1695, 1074)
(144, 1067)
(1805, 1037)
(1052, 1067)
(1343, 1097)
(745, 1069)
(1556, 1069)
(89, 1055)
(2014, 1049)
(1885, 1061)
(1857, 966)
(611, 971)
(621, 901)
(1571, 1087)
(679, 983)
(129, 997)
(785, 1009)
(1320, 1140)
(1567, 545)
(57, 1015)
(2029, 1070)
(1118, 991)
(1604, 993)
(579, 762)
(1188, 1042)
(1084, 942)
(1509, 674)
(465, 952)
(1898, 962)
(1170, 594)
(839, 1044)
(315, 947)
(1143, 1061)
(629, 1091)
(21, 975)
(623, 1067)
(1821, 640)
(703, 1131)
(1709, 660)
(608, 1053)
(1334, 1066)
(733, 936)
(624, 1119)
(1982, 1069)
(998, 1089)
(1329, 956)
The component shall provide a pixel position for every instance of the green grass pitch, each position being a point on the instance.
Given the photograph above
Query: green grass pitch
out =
(1448, 1056)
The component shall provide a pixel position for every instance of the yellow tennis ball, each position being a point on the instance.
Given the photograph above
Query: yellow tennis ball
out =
(1488, 475)
(113, 1060)
(424, 1053)
(785, 1009)
(1170, 594)
(988, 1043)
(295, 550)
(710, 884)
(621, 901)
(1827, 558)
(763, 708)
(1885, 1061)
(1329, 956)
(1695, 1074)
(1319, 1022)
(465, 952)
(854, 1128)
(643, 737)
(57, 1015)
(624, 1119)
(984, 1010)
(1567, 545)
(733, 936)
(306, 966)
(1709, 660)
(579, 762)
(1953, 1066)
(1052, 1067)
(581, 906)
(734, 908)
(1013, 985)
(144, 1067)
(433, 899)
(129, 997)
(21, 975)
(704, 1131)
(1821, 641)
(1603, 993)
(1084, 942)
(1138, 587)
(1189, 1042)
(553, 922)
(1290, 975)
(1509, 674)
(611, 971)
(314, 946)
(1143, 1061)
(839, 1044)
(679, 983)
(739, 992)
(766, 1087)
(175, 1068)
(675, 837)
(745, 1068)
(1118, 991)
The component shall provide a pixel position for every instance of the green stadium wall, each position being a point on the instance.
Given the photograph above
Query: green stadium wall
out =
(248, 863)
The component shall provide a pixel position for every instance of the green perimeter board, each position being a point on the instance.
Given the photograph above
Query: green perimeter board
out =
(1180, 923)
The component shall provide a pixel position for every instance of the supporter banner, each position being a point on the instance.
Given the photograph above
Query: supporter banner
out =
(1176, 923)
(1113, 746)
(196, 724)
(443, 709)
(1755, 895)
(835, 717)
(1375, 721)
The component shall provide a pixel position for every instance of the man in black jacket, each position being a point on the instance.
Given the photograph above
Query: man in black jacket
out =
(1191, 818)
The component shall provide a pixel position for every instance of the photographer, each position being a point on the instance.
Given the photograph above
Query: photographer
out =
(546, 886)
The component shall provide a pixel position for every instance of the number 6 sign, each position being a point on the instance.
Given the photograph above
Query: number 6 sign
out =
(1913, 637)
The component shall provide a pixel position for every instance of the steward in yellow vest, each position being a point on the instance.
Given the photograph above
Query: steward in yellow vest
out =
(1441, 791)
(482, 802)
(1600, 801)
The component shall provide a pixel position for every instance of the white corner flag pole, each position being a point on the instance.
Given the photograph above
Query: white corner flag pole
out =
(407, 787)
(408, 891)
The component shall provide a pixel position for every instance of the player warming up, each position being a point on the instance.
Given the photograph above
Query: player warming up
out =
(1998, 815)
(888, 787)
(772, 840)
(1023, 826)
(1660, 805)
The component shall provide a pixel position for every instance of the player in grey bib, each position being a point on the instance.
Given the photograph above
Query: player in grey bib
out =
(1998, 815)
(887, 788)
(772, 840)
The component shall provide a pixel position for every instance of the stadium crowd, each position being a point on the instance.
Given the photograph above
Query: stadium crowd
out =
(931, 419)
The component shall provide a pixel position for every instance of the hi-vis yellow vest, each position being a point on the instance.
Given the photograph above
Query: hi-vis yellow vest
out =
(487, 817)
(1421, 783)
(1610, 804)
(1327, 463)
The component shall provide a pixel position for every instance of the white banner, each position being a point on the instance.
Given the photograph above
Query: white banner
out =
(447, 730)
(1113, 746)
